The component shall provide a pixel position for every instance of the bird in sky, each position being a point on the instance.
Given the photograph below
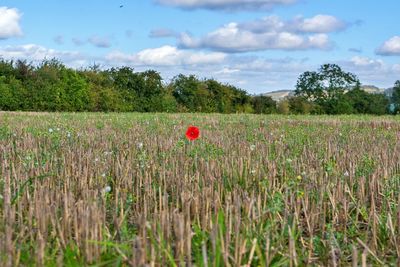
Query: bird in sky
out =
(121, 6)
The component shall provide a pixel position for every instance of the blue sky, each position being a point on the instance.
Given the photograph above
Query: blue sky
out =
(257, 45)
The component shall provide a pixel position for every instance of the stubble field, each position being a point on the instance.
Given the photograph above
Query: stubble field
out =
(130, 190)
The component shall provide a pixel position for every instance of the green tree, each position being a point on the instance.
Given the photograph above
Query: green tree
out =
(7, 68)
(220, 97)
(54, 87)
(338, 105)
(23, 70)
(150, 91)
(169, 103)
(184, 88)
(76, 91)
(127, 83)
(299, 105)
(45, 90)
(103, 96)
(7, 101)
(395, 99)
(13, 94)
(283, 107)
(359, 100)
(378, 104)
(263, 104)
(241, 100)
(327, 87)
(366, 103)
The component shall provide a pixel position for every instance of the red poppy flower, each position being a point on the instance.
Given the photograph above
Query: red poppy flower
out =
(192, 133)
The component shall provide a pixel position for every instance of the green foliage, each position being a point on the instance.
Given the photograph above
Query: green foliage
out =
(263, 104)
(52, 86)
(102, 94)
(396, 96)
(299, 105)
(183, 90)
(338, 105)
(283, 107)
(365, 103)
(327, 87)
(6, 68)
(208, 96)
(334, 91)
(378, 104)
(12, 94)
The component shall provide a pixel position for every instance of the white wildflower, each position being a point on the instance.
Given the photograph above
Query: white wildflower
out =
(58, 129)
(289, 160)
(253, 171)
(140, 145)
(346, 173)
(252, 147)
(51, 130)
(103, 175)
(107, 189)
(148, 225)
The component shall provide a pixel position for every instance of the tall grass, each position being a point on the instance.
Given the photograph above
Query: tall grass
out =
(129, 190)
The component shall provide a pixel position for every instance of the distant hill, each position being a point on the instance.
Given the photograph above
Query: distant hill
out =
(375, 90)
(280, 94)
(372, 89)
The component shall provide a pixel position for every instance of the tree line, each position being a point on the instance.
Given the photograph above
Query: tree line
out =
(330, 90)
(52, 86)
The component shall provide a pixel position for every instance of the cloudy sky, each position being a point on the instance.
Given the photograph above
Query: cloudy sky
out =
(257, 45)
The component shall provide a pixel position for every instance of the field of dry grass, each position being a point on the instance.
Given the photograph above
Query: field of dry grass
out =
(130, 190)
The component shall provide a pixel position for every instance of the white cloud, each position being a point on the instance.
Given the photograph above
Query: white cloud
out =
(166, 56)
(37, 53)
(371, 71)
(251, 73)
(269, 33)
(9, 23)
(365, 62)
(320, 24)
(264, 75)
(227, 4)
(226, 70)
(260, 65)
(390, 48)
